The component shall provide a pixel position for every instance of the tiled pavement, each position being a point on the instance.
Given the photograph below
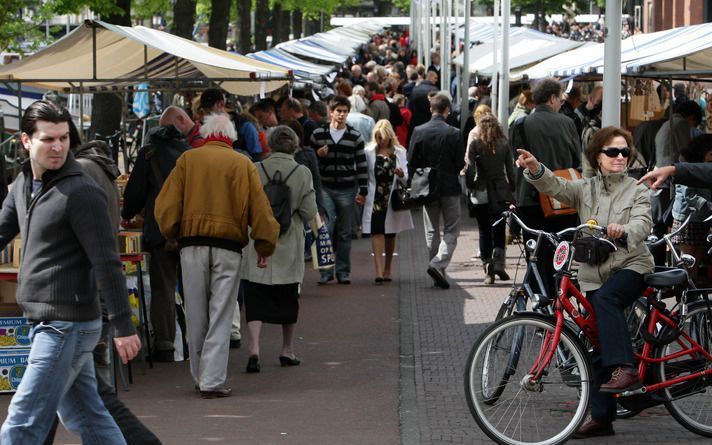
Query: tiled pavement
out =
(438, 328)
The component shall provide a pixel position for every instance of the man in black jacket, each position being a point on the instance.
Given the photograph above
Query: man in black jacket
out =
(69, 257)
(686, 173)
(419, 103)
(553, 139)
(153, 165)
(438, 145)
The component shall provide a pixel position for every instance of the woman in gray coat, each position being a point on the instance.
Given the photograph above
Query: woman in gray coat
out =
(272, 291)
(613, 200)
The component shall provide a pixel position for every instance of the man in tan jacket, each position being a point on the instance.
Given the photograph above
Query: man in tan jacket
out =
(207, 203)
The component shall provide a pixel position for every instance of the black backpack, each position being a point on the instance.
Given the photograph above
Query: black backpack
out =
(279, 196)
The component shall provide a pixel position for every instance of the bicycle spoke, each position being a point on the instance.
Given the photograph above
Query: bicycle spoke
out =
(543, 411)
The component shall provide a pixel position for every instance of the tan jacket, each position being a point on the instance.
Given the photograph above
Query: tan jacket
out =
(211, 197)
(607, 199)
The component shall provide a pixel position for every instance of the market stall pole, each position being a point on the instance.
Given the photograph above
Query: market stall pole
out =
(464, 109)
(503, 91)
(612, 65)
(495, 54)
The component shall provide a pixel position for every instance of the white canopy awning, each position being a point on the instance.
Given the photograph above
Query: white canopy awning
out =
(334, 46)
(526, 46)
(682, 50)
(100, 55)
(301, 68)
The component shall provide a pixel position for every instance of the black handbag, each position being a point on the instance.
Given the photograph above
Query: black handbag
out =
(591, 250)
(400, 198)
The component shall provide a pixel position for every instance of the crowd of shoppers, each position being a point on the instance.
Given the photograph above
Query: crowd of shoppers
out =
(207, 223)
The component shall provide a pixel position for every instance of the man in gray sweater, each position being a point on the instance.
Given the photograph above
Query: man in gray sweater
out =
(68, 248)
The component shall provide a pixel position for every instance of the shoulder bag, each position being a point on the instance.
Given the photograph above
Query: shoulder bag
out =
(550, 206)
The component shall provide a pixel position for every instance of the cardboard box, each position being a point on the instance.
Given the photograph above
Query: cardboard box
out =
(8, 289)
(130, 242)
(14, 332)
(13, 363)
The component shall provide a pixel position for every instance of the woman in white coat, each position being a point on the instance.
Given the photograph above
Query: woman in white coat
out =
(386, 164)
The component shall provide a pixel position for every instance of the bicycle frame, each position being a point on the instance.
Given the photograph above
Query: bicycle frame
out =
(689, 347)
(585, 319)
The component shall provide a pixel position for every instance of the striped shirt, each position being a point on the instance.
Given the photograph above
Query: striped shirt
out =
(345, 163)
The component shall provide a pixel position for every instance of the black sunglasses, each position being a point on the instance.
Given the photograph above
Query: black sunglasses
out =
(613, 152)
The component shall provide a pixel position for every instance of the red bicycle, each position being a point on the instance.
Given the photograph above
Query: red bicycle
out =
(546, 394)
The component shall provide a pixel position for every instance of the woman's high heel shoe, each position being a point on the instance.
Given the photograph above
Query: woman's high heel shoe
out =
(286, 361)
(253, 364)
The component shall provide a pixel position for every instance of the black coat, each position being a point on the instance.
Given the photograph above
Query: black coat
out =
(419, 104)
(437, 144)
(166, 144)
(495, 173)
(697, 174)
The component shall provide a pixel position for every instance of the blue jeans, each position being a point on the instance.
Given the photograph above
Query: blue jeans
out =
(339, 206)
(60, 379)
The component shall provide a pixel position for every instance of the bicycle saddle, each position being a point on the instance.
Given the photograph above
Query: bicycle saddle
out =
(669, 278)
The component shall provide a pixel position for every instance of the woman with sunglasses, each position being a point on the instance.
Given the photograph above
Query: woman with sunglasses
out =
(614, 201)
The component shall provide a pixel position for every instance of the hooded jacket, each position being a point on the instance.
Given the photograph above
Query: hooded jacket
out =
(166, 143)
(68, 247)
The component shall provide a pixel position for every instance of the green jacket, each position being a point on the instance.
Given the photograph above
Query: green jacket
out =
(607, 199)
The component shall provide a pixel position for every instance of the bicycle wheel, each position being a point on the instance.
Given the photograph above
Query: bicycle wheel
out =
(546, 412)
(690, 403)
(491, 388)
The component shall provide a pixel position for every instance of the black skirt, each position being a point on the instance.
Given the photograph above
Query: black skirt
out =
(276, 303)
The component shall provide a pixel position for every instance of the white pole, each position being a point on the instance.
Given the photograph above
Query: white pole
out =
(495, 49)
(425, 32)
(443, 44)
(413, 25)
(464, 113)
(458, 68)
(429, 30)
(612, 65)
(504, 83)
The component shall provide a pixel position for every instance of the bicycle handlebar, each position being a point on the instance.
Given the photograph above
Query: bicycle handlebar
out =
(668, 236)
(555, 237)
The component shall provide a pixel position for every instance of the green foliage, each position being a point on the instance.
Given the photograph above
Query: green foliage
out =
(403, 5)
(103, 7)
(313, 8)
(145, 9)
(19, 20)
(548, 6)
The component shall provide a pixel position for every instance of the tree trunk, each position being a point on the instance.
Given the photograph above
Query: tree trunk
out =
(280, 32)
(107, 107)
(184, 18)
(297, 19)
(311, 26)
(244, 8)
(261, 14)
(383, 8)
(219, 20)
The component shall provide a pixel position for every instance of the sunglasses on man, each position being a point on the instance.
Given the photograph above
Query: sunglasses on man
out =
(613, 152)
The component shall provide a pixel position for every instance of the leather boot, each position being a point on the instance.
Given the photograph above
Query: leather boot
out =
(498, 262)
(489, 270)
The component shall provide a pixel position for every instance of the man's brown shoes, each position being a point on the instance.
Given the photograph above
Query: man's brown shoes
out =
(622, 379)
(594, 428)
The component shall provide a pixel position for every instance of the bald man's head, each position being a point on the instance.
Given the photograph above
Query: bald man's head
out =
(177, 117)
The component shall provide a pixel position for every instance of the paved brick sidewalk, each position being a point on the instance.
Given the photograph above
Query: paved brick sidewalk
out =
(438, 328)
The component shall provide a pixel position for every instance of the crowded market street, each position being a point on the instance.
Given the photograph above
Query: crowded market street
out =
(382, 365)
